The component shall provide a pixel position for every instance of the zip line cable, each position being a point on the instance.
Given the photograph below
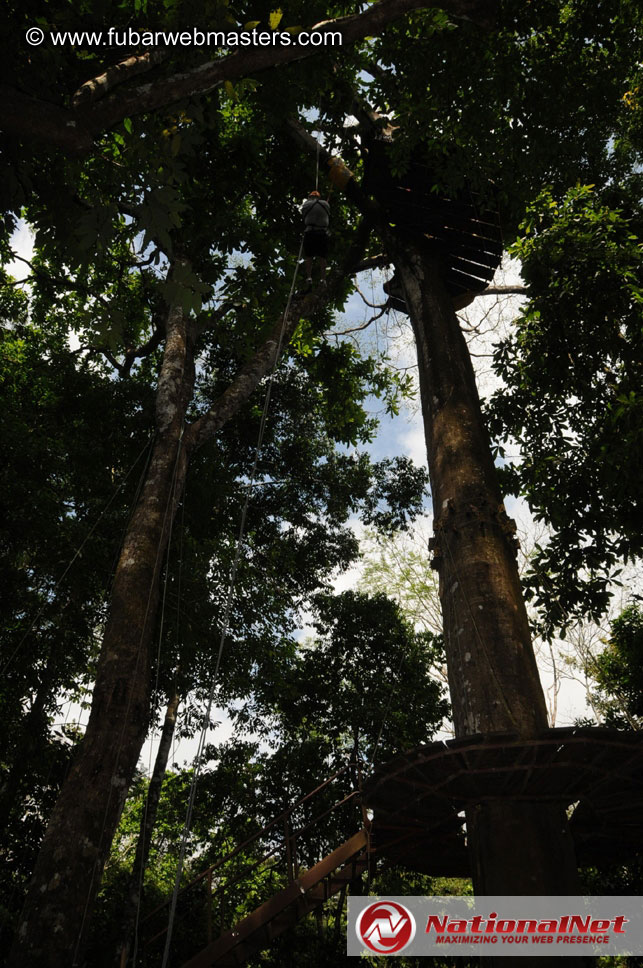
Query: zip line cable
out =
(141, 874)
(198, 760)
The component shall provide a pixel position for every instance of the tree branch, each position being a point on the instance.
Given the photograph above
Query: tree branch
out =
(67, 284)
(97, 87)
(145, 349)
(42, 121)
(109, 356)
(504, 291)
(131, 354)
(380, 261)
(246, 61)
(74, 130)
(370, 304)
(252, 372)
(356, 329)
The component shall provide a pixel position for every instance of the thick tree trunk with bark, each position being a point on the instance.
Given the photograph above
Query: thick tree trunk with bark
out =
(516, 847)
(492, 670)
(55, 917)
(148, 821)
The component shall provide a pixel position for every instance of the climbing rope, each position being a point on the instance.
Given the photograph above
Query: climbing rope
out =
(198, 760)
(144, 832)
(317, 154)
(317, 167)
(121, 738)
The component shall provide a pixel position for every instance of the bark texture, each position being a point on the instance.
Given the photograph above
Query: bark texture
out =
(516, 847)
(55, 917)
(492, 670)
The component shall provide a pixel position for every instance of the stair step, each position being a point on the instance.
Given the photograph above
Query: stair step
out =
(307, 893)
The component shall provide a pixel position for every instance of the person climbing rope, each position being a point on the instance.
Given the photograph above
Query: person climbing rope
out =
(316, 212)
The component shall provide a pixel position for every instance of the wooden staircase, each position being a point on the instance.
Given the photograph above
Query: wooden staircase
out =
(275, 850)
(418, 799)
(303, 895)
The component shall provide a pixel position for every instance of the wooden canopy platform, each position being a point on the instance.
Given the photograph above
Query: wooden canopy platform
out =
(418, 799)
(460, 233)
(463, 232)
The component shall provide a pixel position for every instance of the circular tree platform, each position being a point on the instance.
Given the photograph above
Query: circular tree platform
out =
(418, 799)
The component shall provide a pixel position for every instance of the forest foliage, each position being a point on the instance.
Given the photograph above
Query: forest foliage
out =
(193, 203)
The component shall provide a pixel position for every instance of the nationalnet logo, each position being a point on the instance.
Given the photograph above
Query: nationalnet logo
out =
(569, 929)
(386, 927)
(496, 926)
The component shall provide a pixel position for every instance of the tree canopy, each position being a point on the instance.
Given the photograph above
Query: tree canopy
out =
(162, 186)
(571, 370)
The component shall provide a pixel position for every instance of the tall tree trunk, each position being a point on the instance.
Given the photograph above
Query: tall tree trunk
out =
(516, 847)
(55, 918)
(148, 821)
(492, 670)
(54, 921)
